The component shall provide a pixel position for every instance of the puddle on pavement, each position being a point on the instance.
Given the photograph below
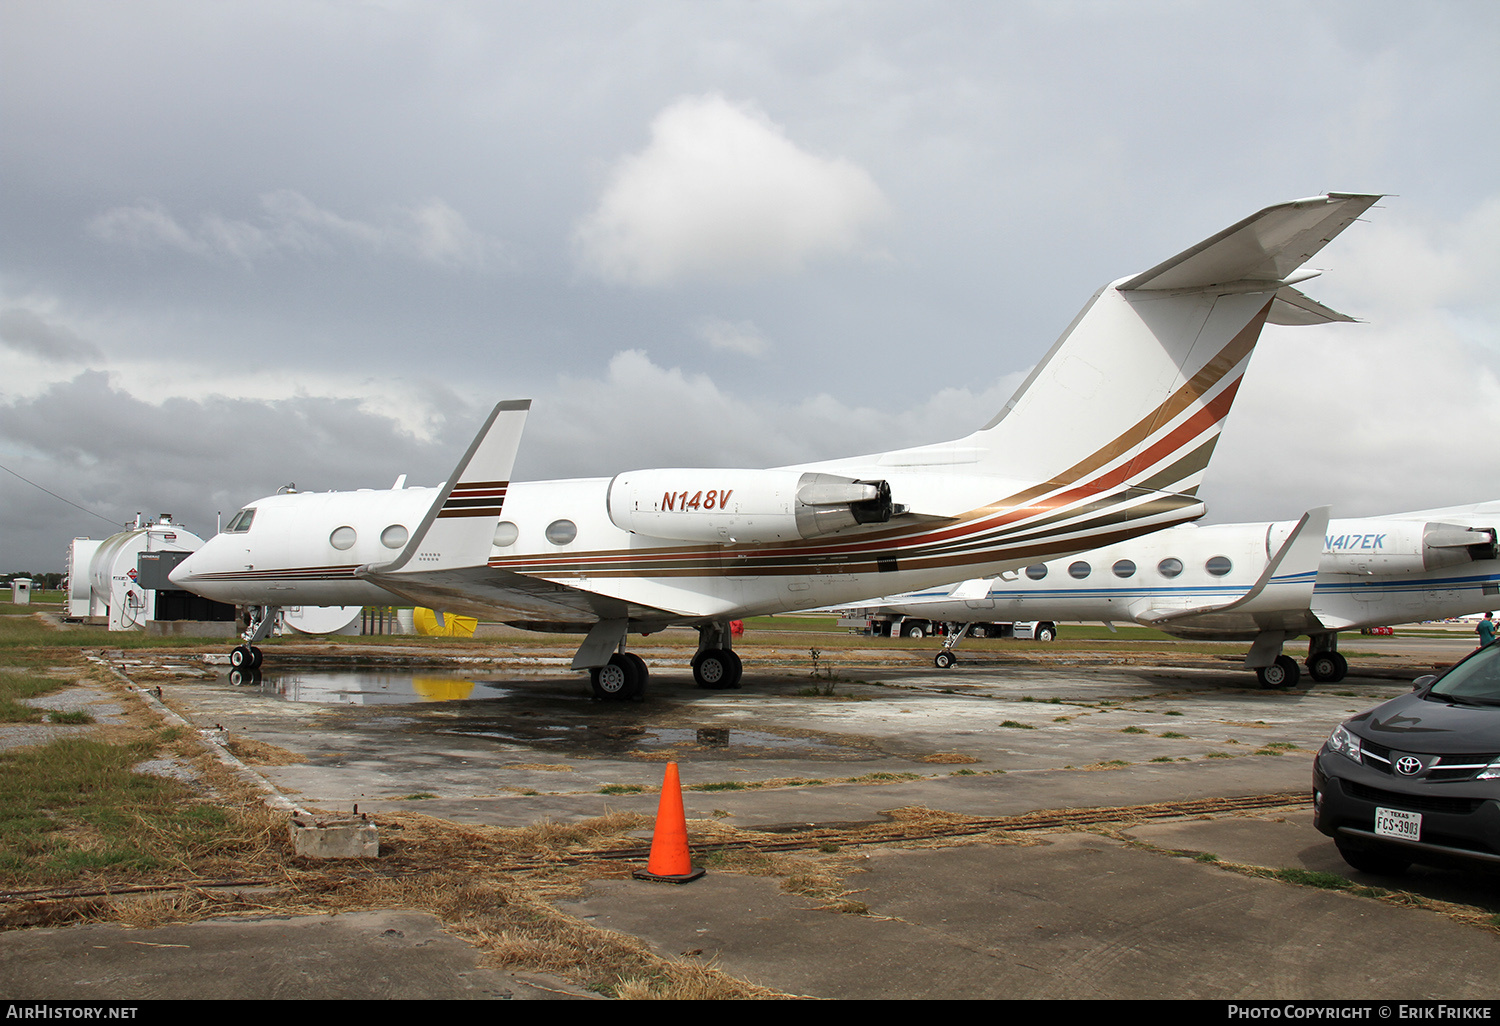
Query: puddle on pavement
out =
(367, 687)
(620, 738)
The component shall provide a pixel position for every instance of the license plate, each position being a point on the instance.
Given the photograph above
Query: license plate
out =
(1395, 823)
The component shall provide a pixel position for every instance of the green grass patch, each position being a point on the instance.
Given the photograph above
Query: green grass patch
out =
(1134, 730)
(722, 785)
(622, 789)
(1218, 755)
(1171, 733)
(1016, 726)
(70, 716)
(75, 806)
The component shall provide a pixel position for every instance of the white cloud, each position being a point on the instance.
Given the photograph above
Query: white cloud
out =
(741, 337)
(431, 232)
(721, 193)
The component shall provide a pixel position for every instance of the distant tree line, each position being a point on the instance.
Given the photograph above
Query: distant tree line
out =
(39, 582)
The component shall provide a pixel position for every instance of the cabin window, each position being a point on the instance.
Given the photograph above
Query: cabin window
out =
(560, 532)
(1079, 570)
(342, 538)
(1169, 567)
(1036, 571)
(506, 533)
(240, 522)
(393, 537)
(1124, 568)
(1219, 566)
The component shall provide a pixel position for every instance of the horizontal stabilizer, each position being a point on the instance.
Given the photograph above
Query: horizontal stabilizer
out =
(1264, 247)
(1292, 307)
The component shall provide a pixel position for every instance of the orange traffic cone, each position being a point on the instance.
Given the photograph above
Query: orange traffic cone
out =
(670, 860)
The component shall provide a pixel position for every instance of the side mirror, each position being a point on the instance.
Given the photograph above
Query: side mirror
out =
(1423, 682)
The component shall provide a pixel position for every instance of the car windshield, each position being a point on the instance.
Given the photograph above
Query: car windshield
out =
(1475, 680)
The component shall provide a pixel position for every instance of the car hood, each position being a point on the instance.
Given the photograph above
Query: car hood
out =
(1414, 724)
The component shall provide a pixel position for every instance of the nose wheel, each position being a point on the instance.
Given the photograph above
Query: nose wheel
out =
(245, 657)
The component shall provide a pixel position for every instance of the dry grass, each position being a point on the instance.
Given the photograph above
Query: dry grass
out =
(259, 753)
(948, 758)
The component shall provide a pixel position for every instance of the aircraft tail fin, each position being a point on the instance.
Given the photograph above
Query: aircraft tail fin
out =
(458, 530)
(1153, 362)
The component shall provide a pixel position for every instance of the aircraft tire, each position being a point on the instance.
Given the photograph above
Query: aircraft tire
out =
(242, 657)
(643, 674)
(913, 632)
(1045, 634)
(1283, 673)
(943, 660)
(1328, 667)
(714, 670)
(256, 657)
(615, 681)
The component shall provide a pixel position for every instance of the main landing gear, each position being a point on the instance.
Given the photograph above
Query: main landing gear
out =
(622, 678)
(1274, 669)
(715, 666)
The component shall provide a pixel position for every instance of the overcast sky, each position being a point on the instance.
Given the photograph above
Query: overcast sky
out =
(245, 244)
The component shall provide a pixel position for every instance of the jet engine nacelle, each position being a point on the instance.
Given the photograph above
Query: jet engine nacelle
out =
(1401, 546)
(743, 506)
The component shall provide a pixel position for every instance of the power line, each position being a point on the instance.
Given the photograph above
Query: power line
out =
(70, 502)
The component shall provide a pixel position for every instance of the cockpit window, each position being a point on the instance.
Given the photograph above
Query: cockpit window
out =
(241, 521)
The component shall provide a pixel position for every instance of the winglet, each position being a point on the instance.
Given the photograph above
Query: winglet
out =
(1300, 553)
(459, 529)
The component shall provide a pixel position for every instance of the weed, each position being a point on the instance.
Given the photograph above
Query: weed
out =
(1017, 726)
(1171, 733)
(71, 716)
(622, 789)
(1218, 755)
(1205, 856)
(723, 785)
(1134, 730)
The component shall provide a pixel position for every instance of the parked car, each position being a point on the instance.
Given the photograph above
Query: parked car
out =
(1418, 778)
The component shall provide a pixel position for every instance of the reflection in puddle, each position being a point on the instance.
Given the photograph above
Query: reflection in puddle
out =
(366, 687)
(645, 739)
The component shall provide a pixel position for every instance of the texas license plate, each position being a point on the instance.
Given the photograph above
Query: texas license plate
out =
(1406, 826)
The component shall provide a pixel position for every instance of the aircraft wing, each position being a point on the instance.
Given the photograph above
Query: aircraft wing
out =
(1287, 582)
(504, 595)
(1264, 247)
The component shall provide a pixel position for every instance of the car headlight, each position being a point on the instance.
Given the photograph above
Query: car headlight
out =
(1344, 743)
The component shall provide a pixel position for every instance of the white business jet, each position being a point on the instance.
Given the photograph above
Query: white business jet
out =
(1107, 439)
(1263, 583)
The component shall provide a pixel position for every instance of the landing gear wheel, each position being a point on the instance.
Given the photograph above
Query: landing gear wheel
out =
(643, 673)
(943, 660)
(617, 680)
(256, 657)
(717, 669)
(1283, 673)
(1327, 667)
(1374, 862)
(242, 657)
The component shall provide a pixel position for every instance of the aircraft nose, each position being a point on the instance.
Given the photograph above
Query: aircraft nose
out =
(182, 574)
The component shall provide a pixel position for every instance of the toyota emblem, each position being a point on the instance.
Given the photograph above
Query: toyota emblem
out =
(1409, 765)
